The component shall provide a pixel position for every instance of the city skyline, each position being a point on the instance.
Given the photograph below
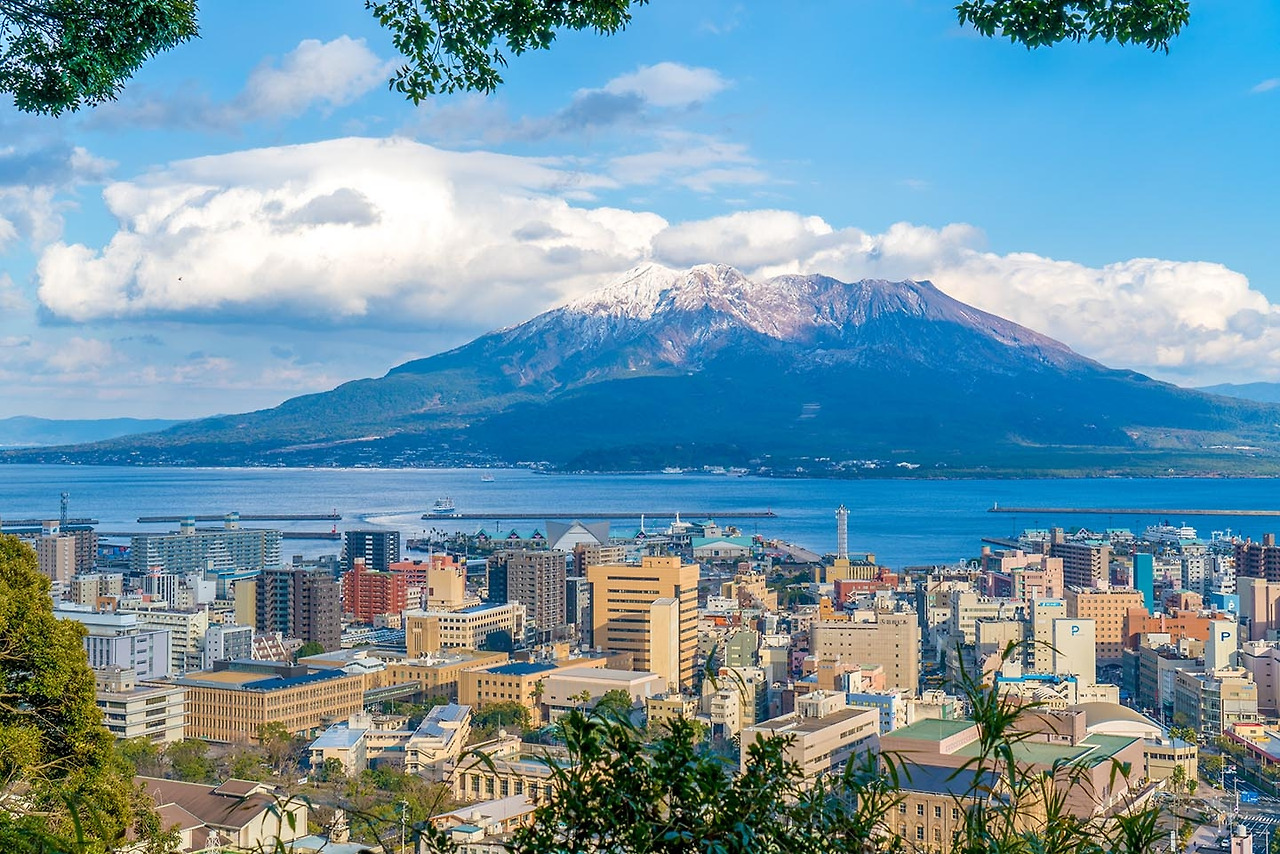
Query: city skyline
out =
(259, 217)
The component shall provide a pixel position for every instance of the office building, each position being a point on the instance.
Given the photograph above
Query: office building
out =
(438, 583)
(379, 549)
(186, 632)
(368, 594)
(1043, 614)
(118, 641)
(824, 734)
(205, 550)
(1075, 650)
(649, 610)
(891, 641)
(132, 708)
(536, 579)
(227, 642)
(487, 626)
(299, 603)
(564, 689)
(232, 701)
(1211, 702)
(1109, 609)
(1144, 578)
(518, 681)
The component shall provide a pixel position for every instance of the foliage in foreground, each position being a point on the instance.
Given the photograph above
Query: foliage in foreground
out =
(60, 55)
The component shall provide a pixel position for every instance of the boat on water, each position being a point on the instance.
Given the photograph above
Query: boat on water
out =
(486, 478)
(442, 507)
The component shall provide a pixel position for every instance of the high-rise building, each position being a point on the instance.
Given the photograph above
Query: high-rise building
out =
(1075, 650)
(1258, 560)
(89, 590)
(1109, 609)
(578, 605)
(300, 603)
(368, 594)
(1043, 614)
(186, 632)
(57, 554)
(437, 583)
(226, 642)
(380, 548)
(1144, 578)
(628, 614)
(1083, 564)
(191, 549)
(536, 579)
(892, 641)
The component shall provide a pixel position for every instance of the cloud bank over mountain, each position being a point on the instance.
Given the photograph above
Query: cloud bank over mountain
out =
(392, 233)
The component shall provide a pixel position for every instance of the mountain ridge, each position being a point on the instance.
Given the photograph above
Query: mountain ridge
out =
(661, 365)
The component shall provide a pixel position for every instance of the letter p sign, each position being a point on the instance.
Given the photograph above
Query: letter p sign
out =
(1224, 635)
(1075, 630)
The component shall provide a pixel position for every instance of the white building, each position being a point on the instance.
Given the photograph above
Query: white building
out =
(134, 709)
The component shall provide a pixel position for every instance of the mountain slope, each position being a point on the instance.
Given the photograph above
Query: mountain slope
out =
(708, 366)
(20, 431)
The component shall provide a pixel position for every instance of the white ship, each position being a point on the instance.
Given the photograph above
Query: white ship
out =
(1167, 533)
(443, 506)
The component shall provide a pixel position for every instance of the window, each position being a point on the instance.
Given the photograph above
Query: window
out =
(937, 812)
(920, 831)
(919, 809)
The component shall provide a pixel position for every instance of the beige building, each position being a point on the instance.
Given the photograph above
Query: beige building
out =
(438, 674)
(133, 709)
(643, 609)
(438, 583)
(502, 768)
(246, 599)
(231, 702)
(892, 641)
(663, 709)
(1109, 610)
(494, 625)
(90, 590)
(562, 690)
(521, 682)
(57, 556)
(825, 734)
(1211, 702)
(1043, 614)
(1086, 565)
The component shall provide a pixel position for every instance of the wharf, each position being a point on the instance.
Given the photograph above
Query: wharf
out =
(36, 523)
(287, 535)
(513, 517)
(247, 517)
(1130, 511)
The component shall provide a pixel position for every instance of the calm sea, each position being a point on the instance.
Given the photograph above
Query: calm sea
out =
(903, 522)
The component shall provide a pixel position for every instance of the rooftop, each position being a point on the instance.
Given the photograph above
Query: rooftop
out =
(519, 668)
(933, 729)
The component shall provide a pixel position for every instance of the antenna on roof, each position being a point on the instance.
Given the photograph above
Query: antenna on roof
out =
(66, 498)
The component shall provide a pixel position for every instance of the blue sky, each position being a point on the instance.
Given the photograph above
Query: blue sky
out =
(258, 216)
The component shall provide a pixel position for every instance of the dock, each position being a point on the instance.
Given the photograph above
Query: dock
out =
(36, 523)
(663, 514)
(247, 517)
(1129, 511)
(287, 535)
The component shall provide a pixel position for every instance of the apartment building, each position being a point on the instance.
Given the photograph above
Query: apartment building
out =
(133, 708)
(536, 579)
(200, 550)
(368, 594)
(824, 734)
(299, 602)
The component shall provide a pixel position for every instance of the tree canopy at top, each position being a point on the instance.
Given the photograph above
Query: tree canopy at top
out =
(60, 55)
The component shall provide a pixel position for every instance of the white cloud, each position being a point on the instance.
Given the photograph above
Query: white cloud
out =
(669, 84)
(1266, 85)
(333, 73)
(395, 234)
(11, 299)
(325, 74)
(81, 354)
(390, 231)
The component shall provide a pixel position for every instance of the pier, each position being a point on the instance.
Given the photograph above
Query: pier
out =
(36, 523)
(247, 517)
(287, 535)
(1129, 511)
(665, 514)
